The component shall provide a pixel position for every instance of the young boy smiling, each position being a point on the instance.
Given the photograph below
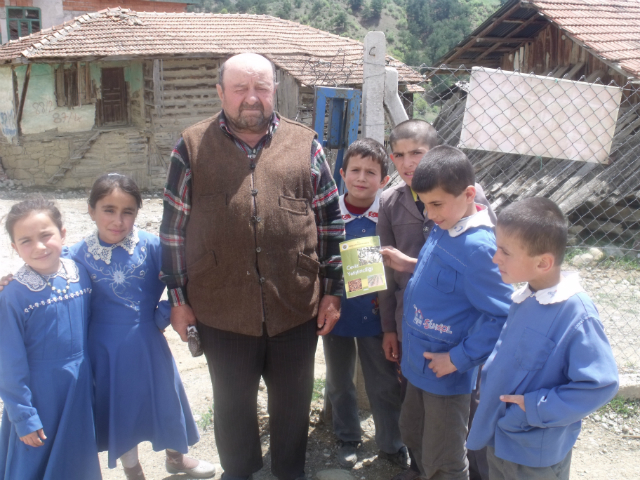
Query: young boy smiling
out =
(552, 365)
(365, 174)
(454, 308)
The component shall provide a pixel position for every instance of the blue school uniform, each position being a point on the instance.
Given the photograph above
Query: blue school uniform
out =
(552, 350)
(455, 302)
(45, 376)
(359, 316)
(139, 394)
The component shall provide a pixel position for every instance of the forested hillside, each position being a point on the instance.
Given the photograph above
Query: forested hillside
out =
(418, 31)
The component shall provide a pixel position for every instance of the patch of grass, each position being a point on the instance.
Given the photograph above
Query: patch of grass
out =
(206, 419)
(623, 263)
(622, 406)
(318, 389)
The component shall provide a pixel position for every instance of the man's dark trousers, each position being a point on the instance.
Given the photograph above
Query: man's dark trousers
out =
(236, 363)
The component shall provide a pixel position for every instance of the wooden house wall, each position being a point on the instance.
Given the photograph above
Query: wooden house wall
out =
(177, 94)
(552, 49)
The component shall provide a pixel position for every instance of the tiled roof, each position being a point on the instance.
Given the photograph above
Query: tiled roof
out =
(312, 56)
(610, 28)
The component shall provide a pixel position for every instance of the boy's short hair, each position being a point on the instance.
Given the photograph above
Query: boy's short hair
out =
(368, 147)
(539, 224)
(445, 167)
(415, 129)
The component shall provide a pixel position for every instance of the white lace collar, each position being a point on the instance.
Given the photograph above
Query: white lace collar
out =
(36, 282)
(479, 219)
(569, 286)
(104, 253)
(371, 213)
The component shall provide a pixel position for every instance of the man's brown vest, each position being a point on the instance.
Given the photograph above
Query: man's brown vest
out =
(251, 238)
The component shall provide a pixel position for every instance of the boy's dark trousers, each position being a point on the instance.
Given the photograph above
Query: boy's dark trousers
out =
(500, 469)
(478, 467)
(380, 382)
(236, 363)
(434, 427)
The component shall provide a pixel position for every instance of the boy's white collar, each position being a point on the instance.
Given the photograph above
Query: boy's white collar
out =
(478, 219)
(371, 213)
(568, 287)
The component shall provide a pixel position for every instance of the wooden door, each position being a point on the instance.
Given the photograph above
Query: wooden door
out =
(114, 97)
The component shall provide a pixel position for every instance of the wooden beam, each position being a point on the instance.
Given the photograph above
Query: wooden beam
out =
(514, 32)
(484, 31)
(493, 48)
(79, 83)
(23, 97)
(503, 39)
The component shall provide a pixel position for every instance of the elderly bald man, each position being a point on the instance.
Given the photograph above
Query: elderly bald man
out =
(250, 236)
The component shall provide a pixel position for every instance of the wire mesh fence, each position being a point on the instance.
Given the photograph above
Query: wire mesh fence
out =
(574, 142)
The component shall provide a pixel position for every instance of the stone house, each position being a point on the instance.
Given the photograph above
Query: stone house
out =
(112, 90)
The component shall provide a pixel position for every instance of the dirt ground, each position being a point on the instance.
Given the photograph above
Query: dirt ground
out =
(605, 450)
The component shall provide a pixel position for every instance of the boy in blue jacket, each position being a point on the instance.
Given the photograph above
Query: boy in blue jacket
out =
(454, 308)
(364, 172)
(552, 364)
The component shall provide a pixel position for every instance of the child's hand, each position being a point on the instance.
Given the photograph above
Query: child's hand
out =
(34, 439)
(440, 363)
(394, 258)
(390, 346)
(4, 281)
(517, 399)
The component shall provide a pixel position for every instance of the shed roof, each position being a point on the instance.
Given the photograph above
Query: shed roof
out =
(610, 29)
(312, 56)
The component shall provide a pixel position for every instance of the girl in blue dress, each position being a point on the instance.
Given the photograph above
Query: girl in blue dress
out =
(139, 394)
(47, 429)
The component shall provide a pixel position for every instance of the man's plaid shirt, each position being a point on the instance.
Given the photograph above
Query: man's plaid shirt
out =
(177, 208)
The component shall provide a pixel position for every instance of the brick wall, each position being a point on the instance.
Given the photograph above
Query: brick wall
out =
(136, 5)
(16, 3)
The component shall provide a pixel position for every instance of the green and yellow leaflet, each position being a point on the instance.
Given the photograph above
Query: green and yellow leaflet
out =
(362, 266)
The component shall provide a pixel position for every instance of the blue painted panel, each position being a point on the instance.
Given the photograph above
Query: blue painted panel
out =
(343, 122)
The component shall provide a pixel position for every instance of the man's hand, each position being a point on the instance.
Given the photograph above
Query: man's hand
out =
(181, 317)
(390, 346)
(34, 439)
(394, 258)
(4, 281)
(440, 363)
(328, 313)
(517, 399)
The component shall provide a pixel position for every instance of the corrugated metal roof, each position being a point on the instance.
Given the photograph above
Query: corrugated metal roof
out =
(312, 56)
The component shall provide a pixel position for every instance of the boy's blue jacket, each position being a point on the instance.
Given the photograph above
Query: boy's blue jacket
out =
(359, 316)
(552, 350)
(455, 302)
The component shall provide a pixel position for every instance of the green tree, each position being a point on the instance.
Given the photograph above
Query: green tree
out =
(434, 27)
(319, 6)
(285, 10)
(340, 20)
(261, 7)
(355, 5)
(376, 8)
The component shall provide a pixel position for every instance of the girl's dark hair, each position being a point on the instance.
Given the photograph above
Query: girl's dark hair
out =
(27, 207)
(107, 183)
